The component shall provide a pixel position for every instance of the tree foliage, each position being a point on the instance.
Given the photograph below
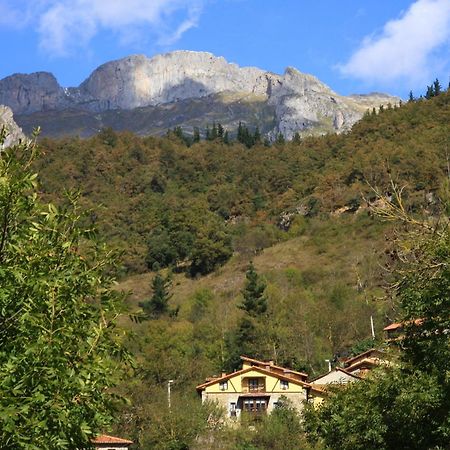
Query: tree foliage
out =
(58, 341)
(406, 405)
(158, 304)
(254, 298)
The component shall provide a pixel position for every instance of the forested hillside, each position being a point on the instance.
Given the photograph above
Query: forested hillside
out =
(199, 213)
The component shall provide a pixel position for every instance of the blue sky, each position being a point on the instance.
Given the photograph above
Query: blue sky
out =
(353, 46)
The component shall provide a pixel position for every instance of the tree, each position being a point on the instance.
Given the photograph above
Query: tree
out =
(220, 131)
(406, 405)
(280, 140)
(255, 300)
(256, 136)
(437, 87)
(196, 135)
(158, 304)
(411, 97)
(58, 341)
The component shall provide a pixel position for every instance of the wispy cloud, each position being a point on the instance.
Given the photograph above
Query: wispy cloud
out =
(408, 48)
(66, 25)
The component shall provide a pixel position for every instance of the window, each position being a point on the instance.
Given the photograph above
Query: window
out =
(284, 384)
(255, 405)
(223, 385)
(233, 409)
(253, 384)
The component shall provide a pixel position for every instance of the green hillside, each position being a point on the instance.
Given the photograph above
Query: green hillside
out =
(298, 210)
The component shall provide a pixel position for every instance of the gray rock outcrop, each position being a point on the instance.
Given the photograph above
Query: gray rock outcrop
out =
(14, 131)
(301, 102)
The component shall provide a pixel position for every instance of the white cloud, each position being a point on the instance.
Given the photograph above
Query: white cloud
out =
(65, 25)
(413, 47)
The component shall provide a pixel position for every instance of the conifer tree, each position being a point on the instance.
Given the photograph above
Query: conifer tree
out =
(280, 140)
(256, 136)
(196, 135)
(255, 300)
(214, 133)
(220, 131)
(297, 138)
(437, 87)
(158, 304)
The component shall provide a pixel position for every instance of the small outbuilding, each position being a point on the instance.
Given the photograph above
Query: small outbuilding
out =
(106, 442)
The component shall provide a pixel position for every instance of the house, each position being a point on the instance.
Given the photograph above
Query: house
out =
(364, 362)
(336, 376)
(256, 388)
(395, 331)
(106, 442)
(355, 369)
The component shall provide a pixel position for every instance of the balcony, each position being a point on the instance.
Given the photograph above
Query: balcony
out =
(253, 385)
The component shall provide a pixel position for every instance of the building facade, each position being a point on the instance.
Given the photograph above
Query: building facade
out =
(256, 389)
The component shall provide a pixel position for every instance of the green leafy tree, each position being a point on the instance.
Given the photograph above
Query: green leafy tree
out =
(58, 339)
(406, 405)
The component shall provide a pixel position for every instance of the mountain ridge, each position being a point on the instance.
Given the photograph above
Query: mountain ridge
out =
(301, 102)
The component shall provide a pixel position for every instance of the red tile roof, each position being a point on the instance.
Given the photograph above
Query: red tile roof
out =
(395, 326)
(200, 387)
(271, 364)
(105, 439)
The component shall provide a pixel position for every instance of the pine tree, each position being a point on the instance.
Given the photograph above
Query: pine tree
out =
(214, 132)
(411, 97)
(220, 131)
(437, 87)
(226, 137)
(297, 138)
(158, 304)
(240, 133)
(255, 300)
(207, 133)
(280, 140)
(196, 135)
(256, 136)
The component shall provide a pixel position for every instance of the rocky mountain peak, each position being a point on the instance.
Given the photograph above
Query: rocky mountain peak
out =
(300, 102)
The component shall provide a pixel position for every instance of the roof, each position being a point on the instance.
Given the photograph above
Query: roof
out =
(336, 369)
(365, 354)
(105, 439)
(397, 325)
(226, 377)
(271, 364)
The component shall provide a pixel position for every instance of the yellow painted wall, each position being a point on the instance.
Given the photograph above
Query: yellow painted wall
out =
(272, 384)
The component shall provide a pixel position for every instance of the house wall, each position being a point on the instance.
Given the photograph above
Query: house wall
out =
(295, 392)
(336, 376)
(235, 384)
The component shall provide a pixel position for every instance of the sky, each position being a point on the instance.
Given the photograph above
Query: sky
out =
(353, 46)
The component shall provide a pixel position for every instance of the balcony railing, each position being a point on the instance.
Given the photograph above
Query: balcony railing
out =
(253, 389)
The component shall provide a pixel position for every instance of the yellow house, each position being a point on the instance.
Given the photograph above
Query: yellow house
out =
(256, 388)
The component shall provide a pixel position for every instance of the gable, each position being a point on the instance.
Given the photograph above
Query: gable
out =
(236, 382)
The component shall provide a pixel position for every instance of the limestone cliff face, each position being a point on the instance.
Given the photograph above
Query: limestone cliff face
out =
(29, 93)
(14, 132)
(139, 81)
(301, 103)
